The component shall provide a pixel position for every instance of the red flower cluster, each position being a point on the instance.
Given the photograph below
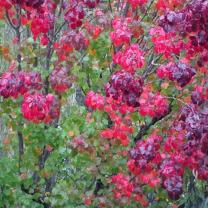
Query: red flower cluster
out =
(187, 148)
(173, 166)
(130, 59)
(165, 43)
(193, 120)
(5, 4)
(123, 85)
(34, 4)
(168, 4)
(198, 95)
(123, 187)
(145, 155)
(40, 25)
(180, 72)
(94, 101)
(136, 3)
(59, 79)
(119, 132)
(15, 84)
(174, 186)
(91, 3)
(41, 20)
(30, 3)
(154, 164)
(75, 14)
(203, 59)
(118, 114)
(102, 18)
(40, 108)
(121, 34)
(70, 41)
(153, 105)
(126, 190)
(189, 22)
(93, 30)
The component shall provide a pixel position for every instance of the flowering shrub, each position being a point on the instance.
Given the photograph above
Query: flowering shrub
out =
(105, 103)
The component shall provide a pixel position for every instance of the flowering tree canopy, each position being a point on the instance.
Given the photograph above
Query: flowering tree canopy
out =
(105, 103)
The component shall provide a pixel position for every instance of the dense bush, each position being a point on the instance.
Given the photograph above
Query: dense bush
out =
(137, 135)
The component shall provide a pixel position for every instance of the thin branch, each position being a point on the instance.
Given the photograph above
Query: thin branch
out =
(9, 21)
(150, 67)
(38, 200)
(126, 9)
(60, 9)
(43, 157)
(144, 128)
(59, 29)
(148, 8)
(110, 7)
(21, 148)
